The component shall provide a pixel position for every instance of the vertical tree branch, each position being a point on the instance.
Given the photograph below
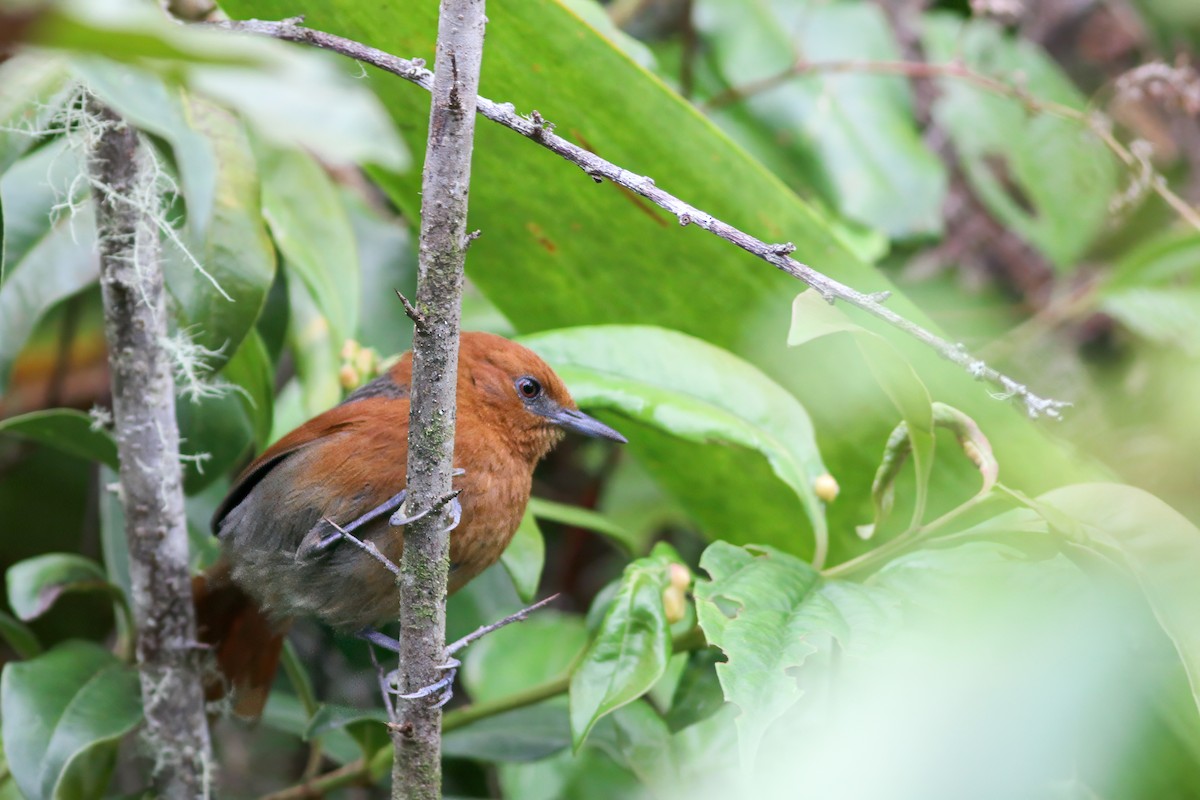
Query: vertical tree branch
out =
(135, 324)
(416, 772)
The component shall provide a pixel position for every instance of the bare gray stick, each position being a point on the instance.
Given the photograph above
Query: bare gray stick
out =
(135, 324)
(778, 255)
(417, 767)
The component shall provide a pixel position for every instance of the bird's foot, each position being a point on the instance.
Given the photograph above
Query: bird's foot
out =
(401, 517)
(325, 534)
(442, 688)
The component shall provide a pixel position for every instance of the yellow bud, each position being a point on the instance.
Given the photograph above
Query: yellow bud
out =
(366, 361)
(681, 576)
(674, 604)
(348, 376)
(826, 487)
(350, 349)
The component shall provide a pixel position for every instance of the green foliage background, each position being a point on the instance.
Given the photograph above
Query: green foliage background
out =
(729, 628)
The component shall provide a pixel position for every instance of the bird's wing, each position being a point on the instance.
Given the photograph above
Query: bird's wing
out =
(337, 419)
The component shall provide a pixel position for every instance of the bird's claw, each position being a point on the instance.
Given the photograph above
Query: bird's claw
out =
(443, 687)
(401, 516)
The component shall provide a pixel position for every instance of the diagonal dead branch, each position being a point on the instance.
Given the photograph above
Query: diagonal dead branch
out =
(539, 130)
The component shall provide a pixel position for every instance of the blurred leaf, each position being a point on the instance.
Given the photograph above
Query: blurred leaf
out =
(45, 260)
(387, 258)
(365, 726)
(113, 544)
(813, 318)
(284, 712)
(31, 192)
(20, 638)
(636, 737)
(152, 105)
(1049, 179)
(1169, 316)
(313, 232)
(67, 430)
(854, 133)
(680, 385)
(33, 89)
(317, 354)
(585, 518)
(519, 657)
(1163, 261)
(251, 371)
(64, 714)
(35, 584)
(525, 734)
(698, 695)
(283, 91)
(629, 652)
(525, 556)
(1133, 527)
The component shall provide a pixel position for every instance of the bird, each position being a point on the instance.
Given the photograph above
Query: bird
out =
(283, 524)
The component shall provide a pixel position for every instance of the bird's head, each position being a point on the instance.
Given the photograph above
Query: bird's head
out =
(510, 388)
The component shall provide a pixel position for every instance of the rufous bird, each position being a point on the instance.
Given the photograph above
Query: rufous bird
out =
(282, 553)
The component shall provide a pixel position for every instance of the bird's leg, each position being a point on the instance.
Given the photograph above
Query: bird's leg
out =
(339, 533)
(444, 687)
(381, 675)
(382, 639)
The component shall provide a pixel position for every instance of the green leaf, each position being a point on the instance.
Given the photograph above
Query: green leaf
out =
(636, 737)
(525, 734)
(365, 726)
(317, 353)
(854, 133)
(67, 430)
(525, 556)
(221, 293)
(33, 89)
(1157, 544)
(630, 651)
(680, 385)
(519, 657)
(151, 104)
(35, 584)
(698, 695)
(1047, 178)
(585, 518)
(250, 371)
(1169, 316)
(64, 713)
(61, 262)
(312, 229)
(813, 318)
(284, 712)
(769, 612)
(19, 637)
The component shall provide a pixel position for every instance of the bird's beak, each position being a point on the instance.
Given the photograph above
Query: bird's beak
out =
(580, 422)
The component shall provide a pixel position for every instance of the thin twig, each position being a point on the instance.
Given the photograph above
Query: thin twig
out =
(357, 771)
(484, 630)
(367, 547)
(418, 319)
(536, 128)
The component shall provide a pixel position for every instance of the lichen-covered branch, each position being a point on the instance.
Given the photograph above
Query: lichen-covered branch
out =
(534, 127)
(417, 769)
(135, 323)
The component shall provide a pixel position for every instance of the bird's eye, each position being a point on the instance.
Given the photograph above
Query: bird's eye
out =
(528, 387)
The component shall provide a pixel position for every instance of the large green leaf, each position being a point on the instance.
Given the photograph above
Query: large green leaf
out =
(855, 133)
(630, 650)
(1048, 178)
(312, 229)
(65, 429)
(682, 386)
(63, 715)
(587, 519)
(525, 734)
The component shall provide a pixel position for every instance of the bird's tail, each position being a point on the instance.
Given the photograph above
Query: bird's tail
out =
(245, 641)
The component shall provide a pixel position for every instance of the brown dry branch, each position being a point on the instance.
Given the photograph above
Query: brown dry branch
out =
(539, 130)
(417, 734)
(135, 325)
